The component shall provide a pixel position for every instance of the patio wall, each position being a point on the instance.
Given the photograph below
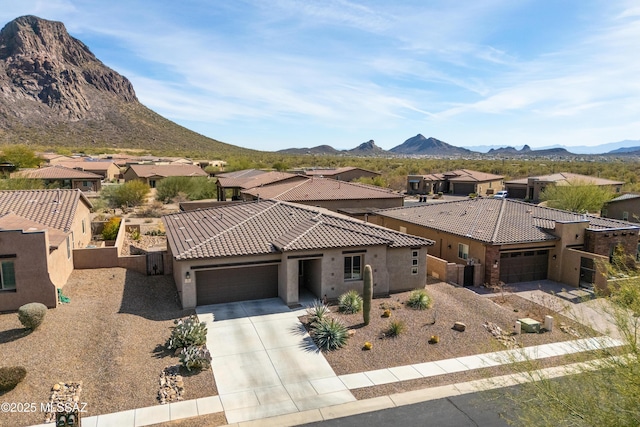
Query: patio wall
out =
(442, 269)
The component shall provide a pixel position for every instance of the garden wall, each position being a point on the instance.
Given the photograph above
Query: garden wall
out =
(442, 269)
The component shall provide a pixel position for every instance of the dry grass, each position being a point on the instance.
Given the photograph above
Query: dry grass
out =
(111, 337)
(451, 304)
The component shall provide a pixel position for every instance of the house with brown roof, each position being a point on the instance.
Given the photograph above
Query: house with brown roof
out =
(152, 174)
(107, 170)
(460, 181)
(347, 173)
(38, 231)
(231, 184)
(625, 207)
(512, 241)
(265, 249)
(62, 177)
(328, 193)
(531, 187)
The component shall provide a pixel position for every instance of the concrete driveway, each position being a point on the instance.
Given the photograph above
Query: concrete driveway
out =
(265, 363)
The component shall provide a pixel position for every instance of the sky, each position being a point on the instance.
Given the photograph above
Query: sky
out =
(276, 74)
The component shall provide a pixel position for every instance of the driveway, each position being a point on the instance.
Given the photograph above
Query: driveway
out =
(265, 363)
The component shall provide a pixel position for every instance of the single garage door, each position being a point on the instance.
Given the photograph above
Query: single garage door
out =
(236, 284)
(524, 266)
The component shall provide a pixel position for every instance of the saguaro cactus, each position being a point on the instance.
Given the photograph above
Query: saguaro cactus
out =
(367, 294)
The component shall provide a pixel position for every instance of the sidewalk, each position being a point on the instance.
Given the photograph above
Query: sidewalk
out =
(196, 407)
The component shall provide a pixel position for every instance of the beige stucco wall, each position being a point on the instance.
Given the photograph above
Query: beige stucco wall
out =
(616, 210)
(29, 252)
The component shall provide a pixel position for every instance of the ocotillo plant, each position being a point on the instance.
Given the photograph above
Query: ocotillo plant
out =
(367, 294)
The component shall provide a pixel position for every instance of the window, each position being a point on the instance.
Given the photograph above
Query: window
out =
(402, 229)
(414, 262)
(84, 227)
(353, 267)
(7, 276)
(414, 254)
(414, 270)
(463, 251)
(625, 216)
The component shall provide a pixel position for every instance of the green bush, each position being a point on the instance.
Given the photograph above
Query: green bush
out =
(188, 332)
(329, 334)
(194, 188)
(396, 327)
(11, 376)
(31, 315)
(110, 230)
(350, 302)
(195, 357)
(318, 311)
(129, 194)
(419, 300)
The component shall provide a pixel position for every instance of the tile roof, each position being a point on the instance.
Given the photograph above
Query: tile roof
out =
(55, 172)
(334, 172)
(50, 208)
(317, 188)
(466, 175)
(87, 165)
(628, 196)
(566, 178)
(268, 227)
(251, 178)
(146, 171)
(496, 221)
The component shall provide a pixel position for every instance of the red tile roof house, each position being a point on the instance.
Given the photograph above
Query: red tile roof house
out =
(531, 187)
(513, 241)
(461, 181)
(151, 174)
(347, 173)
(63, 177)
(107, 170)
(266, 249)
(233, 183)
(329, 194)
(38, 231)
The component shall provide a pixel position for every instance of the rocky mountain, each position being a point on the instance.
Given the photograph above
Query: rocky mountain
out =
(419, 145)
(368, 148)
(625, 150)
(319, 150)
(55, 92)
(527, 151)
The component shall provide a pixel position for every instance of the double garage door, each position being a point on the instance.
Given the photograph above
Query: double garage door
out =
(236, 284)
(524, 266)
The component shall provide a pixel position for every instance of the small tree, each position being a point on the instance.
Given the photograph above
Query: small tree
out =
(367, 294)
(20, 155)
(576, 196)
(129, 194)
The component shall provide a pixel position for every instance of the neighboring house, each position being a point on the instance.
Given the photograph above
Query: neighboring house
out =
(625, 207)
(513, 241)
(530, 188)
(347, 173)
(220, 164)
(38, 231)
(107, 170)
(53, 158)
(245, 251)
(461, 181)
(231, 184)
(328, 193)
(62, 177)
(152, 174)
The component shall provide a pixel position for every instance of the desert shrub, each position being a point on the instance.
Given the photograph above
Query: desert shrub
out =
(396, 327)
(110, 230)
(10, 376)
(135, 235)
(318, 311)
(188, 332)
(350, 302)
(31, 315)
(419, 300)
(329, 334)
(129, 194)
(195, 357)
(191, 188)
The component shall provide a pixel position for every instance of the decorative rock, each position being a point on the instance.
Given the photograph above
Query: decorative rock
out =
(55, 387)
(459, 326)
(61, 394)
(351, 332)
(171, 385)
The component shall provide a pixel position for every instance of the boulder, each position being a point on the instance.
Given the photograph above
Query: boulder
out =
(459, 326)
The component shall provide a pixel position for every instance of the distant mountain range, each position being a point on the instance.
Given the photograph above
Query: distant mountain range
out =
(422, 146)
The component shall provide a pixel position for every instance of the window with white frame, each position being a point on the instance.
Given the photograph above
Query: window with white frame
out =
(352, 267)
(7, 276)
(463, 251)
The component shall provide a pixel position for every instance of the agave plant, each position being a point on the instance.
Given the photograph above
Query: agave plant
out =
(329, 334)
(350, 302)
(318, 311)
(419, 299)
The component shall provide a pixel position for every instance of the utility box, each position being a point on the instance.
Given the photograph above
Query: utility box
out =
(530, 325)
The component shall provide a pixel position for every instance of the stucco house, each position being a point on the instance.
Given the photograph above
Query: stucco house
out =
(231, 184)
(512, 241)
(152, 174)
(625, 207)
(531, 187)
(62, 177)
(266, 249)
(107, 170)
(460, 181)
(347, 173)
(38, 231)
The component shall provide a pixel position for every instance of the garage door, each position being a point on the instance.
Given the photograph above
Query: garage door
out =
(460, 188)
(524, 266)
(236, 284)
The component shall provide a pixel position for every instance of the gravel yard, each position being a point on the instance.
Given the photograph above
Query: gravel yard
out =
(451, 304)
(110, 336)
